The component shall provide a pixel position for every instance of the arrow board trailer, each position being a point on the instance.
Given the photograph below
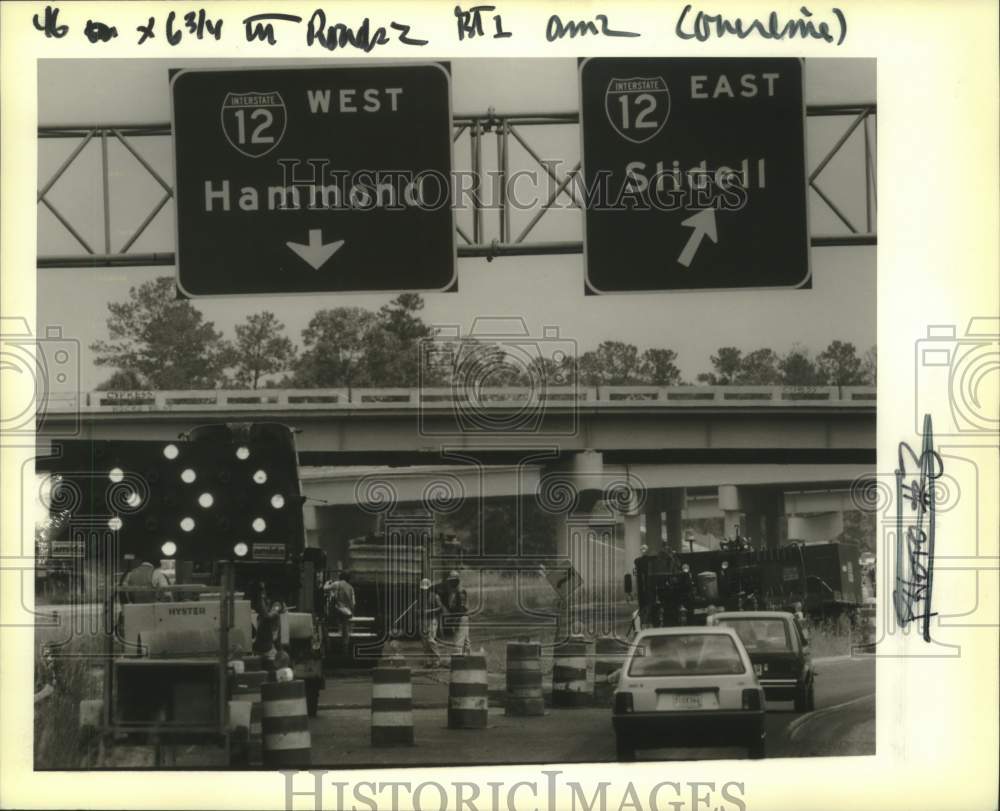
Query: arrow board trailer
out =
(694, 174)
(306, 180)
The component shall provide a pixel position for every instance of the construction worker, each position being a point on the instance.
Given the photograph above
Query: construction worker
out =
(429, 609)
(268, 619)
(162, 581)
(454, 615)
(341, 605)
(145, 576)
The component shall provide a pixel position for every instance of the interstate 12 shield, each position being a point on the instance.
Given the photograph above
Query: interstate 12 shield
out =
(254, 122)
(637, 107)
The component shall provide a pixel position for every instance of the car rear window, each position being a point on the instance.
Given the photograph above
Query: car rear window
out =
(686, 655)
(761, 635)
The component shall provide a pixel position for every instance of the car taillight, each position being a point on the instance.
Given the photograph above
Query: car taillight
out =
(751, 699)
(623, 702)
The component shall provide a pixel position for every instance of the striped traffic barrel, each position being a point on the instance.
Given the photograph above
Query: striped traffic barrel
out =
(255, 743)
(569, 674)
(468, 692)
(524, 679)
(246, 687)
(392, 706)
(285, 724)
(609, 655)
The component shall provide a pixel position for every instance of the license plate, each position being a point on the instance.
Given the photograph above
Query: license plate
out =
(667, 701)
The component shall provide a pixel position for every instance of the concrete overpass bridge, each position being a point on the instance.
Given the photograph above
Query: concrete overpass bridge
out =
(628, 424)
(755, 456)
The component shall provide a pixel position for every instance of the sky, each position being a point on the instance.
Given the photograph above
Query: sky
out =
(545, 291)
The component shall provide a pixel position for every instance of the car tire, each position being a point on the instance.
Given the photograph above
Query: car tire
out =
(811, 697)
(802, 697)
(757, 749)
(625, 751)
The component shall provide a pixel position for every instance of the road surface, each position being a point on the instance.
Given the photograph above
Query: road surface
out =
(842, 724)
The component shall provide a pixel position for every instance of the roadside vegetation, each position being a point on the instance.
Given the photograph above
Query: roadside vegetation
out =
(157, 341)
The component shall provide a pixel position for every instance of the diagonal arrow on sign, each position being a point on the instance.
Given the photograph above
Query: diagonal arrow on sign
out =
(316, 252)
(703, 223)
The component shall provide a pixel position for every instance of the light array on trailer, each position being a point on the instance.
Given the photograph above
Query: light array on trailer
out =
(226, 491)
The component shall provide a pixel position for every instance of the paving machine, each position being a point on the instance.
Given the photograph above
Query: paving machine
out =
(386, 567)
(683, 588)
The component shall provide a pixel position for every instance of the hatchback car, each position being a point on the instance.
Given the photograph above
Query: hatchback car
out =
(779, 649)
(688, 686)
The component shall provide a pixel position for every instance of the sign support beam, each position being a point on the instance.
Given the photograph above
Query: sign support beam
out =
(475, 247)
(473, 251)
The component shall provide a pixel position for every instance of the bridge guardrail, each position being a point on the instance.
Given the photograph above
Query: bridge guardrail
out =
(335, 399)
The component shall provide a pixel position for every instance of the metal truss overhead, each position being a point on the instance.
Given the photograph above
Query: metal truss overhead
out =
(489, 130)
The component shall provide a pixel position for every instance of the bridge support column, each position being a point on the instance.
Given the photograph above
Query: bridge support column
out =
(579, 485)
(757, 510)
(766, 506)
(664, 511)
(732, 512)
(311, 520)
(675, 535)
(654, 528)
(633, 539)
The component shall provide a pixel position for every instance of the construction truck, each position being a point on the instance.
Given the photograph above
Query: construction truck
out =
(684, 588)
(223, 504)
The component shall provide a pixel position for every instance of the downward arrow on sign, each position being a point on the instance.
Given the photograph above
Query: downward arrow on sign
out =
(316, 253)
(703, 223)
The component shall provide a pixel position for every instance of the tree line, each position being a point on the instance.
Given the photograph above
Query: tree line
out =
(161, 342)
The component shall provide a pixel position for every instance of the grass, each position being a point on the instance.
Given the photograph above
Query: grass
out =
(498, 592)
(78, 586)
(56, 726)
(831, 637)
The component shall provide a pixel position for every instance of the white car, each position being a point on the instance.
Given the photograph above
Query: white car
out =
(688, 686)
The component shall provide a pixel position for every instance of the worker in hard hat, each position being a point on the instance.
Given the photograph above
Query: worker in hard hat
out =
(268, 614)
(429, 610)
(341, 602)
(144, 577)
(455, 612)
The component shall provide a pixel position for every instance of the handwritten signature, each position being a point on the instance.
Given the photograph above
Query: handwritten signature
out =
(705, 26)
(915, 558)
(471, 23)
